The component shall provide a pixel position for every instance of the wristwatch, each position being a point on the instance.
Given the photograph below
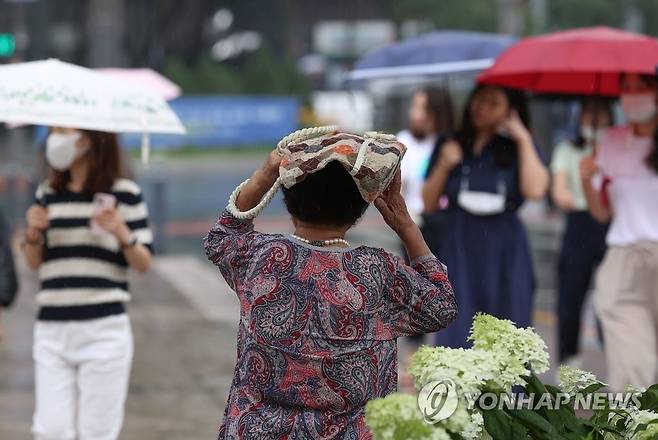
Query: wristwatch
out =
(131, 242)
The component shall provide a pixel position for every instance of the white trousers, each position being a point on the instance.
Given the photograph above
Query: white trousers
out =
(82, 371)
(626, 301)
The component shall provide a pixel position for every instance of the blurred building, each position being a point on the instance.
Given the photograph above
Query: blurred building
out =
(101, 33)
(324, 37)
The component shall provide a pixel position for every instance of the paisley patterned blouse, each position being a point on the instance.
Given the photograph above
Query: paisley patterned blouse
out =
(318, 328)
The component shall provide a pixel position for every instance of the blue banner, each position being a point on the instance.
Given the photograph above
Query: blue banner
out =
(220, 121)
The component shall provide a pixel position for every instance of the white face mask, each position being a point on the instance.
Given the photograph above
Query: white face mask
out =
(61, 151)
(591, 134)
(639, 107)
(481, 202)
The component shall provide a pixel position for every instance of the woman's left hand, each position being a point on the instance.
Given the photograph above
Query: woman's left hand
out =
(271, 166)
(392, 206)
(514, 126)
(110, 220)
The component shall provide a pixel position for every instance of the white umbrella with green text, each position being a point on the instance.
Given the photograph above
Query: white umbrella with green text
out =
(55, 93)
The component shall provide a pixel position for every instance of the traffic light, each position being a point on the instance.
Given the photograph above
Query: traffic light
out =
(7, 45)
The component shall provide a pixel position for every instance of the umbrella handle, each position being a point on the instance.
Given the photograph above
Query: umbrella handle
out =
(146, 148)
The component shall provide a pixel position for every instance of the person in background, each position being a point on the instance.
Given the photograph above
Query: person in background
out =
(430, 119)
(626, 290)
(583, 242)
(83, 342)
(486, 171)
(8, 279)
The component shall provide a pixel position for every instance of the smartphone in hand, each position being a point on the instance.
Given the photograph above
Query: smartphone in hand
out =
(101, 202)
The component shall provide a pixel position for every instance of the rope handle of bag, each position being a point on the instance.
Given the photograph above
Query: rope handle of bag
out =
(299, 136)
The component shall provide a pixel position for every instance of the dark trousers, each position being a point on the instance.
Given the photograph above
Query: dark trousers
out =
(583, 248)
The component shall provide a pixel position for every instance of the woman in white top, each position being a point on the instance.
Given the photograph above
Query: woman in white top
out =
(626, 297)
(430, 117)
(583, 243)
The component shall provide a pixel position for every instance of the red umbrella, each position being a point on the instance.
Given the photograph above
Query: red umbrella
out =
(584, 61)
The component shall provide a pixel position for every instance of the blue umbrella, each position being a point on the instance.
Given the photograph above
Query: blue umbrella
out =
(435, 53)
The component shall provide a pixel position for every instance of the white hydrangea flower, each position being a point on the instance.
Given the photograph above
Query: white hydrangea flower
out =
(520, 345)
(632, 389)
(640, 417)
(473, 430)
(501, 356)
(459, 420)
(470, 370)
(498, 360)
(385, 416)
(573, 380)
(440, 434)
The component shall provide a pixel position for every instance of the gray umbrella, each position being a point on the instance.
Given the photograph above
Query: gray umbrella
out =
(435, 53)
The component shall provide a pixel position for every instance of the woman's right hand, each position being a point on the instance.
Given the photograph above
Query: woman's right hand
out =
(451, 155)
(37, 219)
(396, 215)
(588, 168)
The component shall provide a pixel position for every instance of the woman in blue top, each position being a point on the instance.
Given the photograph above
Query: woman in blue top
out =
(486, 171)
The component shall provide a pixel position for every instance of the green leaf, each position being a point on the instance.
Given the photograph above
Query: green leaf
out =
(533, 420)
(498, 424)
(559, 418)
(621, 424)
(536, 384)
(518, 431)
(572, 422)
(553, 389)
(592, 388)
(605, 426)
(536, 387)
(644, 426)
(649, 399)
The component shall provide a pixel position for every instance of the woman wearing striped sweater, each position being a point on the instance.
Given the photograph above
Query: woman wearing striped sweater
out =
(82, 341)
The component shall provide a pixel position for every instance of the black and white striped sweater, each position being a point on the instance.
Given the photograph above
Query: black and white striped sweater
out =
(85, 275)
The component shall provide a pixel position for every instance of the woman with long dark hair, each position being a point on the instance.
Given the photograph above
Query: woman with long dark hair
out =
(486, 171)
(626, 295)
(87, 227)
(583, 242)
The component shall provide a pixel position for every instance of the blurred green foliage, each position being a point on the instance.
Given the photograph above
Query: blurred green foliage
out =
(263, 72)
(482, 15)
(565, 14)
(256, 73)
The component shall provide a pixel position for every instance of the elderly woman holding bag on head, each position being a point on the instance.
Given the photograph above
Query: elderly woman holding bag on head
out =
(319, 317)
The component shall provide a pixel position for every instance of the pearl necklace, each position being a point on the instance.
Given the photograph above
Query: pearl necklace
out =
(321, 243)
